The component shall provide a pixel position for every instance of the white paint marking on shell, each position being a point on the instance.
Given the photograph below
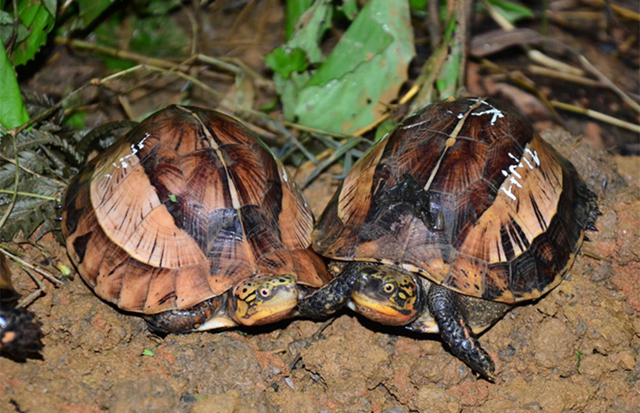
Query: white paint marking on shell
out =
(494, 112)
(513, 170)
(135, 148)
(413, 125)
(534, 155)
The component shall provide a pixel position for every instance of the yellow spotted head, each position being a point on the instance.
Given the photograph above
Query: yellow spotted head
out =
(263, 299)
(386, 295)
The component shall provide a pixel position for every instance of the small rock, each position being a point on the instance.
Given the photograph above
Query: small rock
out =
(603, 273)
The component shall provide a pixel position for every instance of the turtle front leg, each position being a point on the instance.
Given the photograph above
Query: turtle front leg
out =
(331, 298)
(445, 307)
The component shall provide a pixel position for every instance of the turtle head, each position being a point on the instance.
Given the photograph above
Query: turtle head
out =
(386, 295)
(263, 299)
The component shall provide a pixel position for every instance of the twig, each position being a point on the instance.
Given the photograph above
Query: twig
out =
(35, 294)
(337, 154)
(247, 7)
(544, 71)
(626, 13)
(462, 17)
(526, 84)
(124, 102)
(596, 115)
(40, 271)
(194, 30)
(232, 104)
(434, 23)
(533, 54)
(30, 195)
(153, 61)
(591, 68)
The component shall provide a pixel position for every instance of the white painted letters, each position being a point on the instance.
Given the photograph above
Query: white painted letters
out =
(512, 174)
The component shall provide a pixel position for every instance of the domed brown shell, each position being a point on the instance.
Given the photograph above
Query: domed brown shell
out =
(468, 195)
(182, 208)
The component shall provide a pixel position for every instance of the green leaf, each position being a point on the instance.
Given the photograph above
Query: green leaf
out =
(6, 28)
(349, 8)
(384, 128)
(579, 358)
(89, 10)
(35, 15)
(156, 36)
(511, 11)
(284, 60)
(76, 120)
(420, 5)
(157, 7)
(148, 352)
(316, 21)
(295, 9)
(447, 80)
(363, 73)
(173, 198)
(12, 110)
(159, 36)
(64, 270)
(51, 6)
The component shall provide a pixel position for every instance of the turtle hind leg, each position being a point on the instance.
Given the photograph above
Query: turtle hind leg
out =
(185, 321)
(331, 298)
(445, 307)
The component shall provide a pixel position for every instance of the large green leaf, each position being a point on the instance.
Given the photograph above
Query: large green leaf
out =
(88, 10)
(6, 28)
(363, 73)
(295, 9)
(38, 17)
(12, 110)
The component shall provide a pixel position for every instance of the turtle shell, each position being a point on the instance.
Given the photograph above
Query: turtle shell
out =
(183, 207)
(468, 195)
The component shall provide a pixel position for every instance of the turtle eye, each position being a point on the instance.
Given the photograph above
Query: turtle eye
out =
(265, 292)
(388, 288)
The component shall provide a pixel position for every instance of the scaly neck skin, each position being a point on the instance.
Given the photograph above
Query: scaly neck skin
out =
(331, 298)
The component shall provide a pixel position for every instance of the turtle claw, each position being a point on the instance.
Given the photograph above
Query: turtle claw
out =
(592, 227)
(444, 305)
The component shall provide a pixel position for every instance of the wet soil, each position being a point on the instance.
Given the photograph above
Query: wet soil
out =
(576, 349)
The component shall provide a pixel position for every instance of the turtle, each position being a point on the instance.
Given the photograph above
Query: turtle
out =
(190, 221)
(20, 332)
(460, 213)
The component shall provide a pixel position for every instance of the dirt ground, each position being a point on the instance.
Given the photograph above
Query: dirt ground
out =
(576, 349)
